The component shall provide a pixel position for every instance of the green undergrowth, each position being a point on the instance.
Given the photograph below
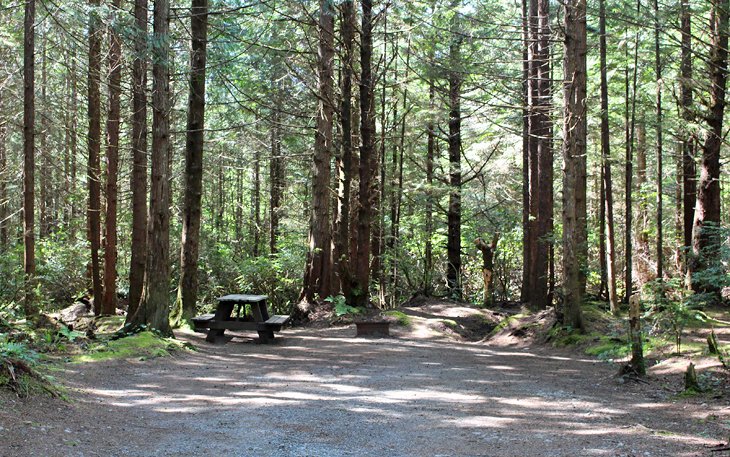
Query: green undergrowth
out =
(141, 346)
(401, 318)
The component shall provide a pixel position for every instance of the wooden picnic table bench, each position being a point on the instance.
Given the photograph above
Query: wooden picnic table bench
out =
(223, 319)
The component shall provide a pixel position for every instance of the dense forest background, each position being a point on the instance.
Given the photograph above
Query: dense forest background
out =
(360, 149)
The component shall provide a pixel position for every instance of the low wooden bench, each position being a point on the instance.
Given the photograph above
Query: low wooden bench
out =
(372, 328)
(259, 320)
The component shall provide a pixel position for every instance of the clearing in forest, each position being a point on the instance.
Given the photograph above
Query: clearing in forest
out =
(322, 392)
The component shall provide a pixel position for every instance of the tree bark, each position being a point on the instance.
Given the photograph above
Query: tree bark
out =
(154, 306)
(574, 157)
(29, 304)
(138, 180)
(276, 182)
(542, 137)
(317, 274)
(629, 170)
(44, 228)
(706, 238)
(187, 291)
(256, 204)
(526, 228)
(94, 151)
(453, 240)
(345, 168)
(367, 151)
(606, 163)
(659, 152)
(686, 97)
(109, 303)
(430, 150)
(4, 178)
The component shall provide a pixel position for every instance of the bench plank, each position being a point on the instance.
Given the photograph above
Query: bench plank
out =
(278, 320)
(243, 298)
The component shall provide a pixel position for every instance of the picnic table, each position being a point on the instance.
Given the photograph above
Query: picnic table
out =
(223, 319)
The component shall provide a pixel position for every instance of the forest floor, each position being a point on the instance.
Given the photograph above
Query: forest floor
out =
(434, 388)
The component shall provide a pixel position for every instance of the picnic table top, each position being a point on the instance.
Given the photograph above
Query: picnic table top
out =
(243, 298)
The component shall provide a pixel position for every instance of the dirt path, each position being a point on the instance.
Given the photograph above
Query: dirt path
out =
(324, 393)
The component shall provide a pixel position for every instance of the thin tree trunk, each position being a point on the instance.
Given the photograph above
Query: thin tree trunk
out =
(603, 286)
(317, 274)
(453, 240)
(154, 305)
(399, 183)
(276, 182)
(367, 151)
(109, 303)
(574, 157)
(73, 146)
(607, 183)
(430, 147)
(630, 124)
(379, 171)
(43, 207)
(688, 169)
(138, 180)
(187, 291)
(705, 234)
(256, 204)
(345, 170)
(659, 152)
(94, 151)
(4, 178)
(29, 304)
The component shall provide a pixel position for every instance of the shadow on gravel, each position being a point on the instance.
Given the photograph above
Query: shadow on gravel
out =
(324, 393)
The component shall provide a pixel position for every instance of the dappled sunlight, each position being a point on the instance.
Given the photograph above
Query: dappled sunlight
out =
(391, 389)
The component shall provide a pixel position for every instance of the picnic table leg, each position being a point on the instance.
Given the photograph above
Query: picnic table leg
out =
(222, 313)
(261, 314)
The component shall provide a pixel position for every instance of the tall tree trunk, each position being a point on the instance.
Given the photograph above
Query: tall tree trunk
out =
(138, 180)
(256, 203)
(72, 148)
(154, 305)
(659, 152)
(542, 136)
(533, 143)
(29, 304)
(574, 157)
(399, 183)
(345, 168)
(276, 182)
(317, 274)
(453, 239)
(705, 234)
(187, 291)
(526, 228)
(94, 151)
(4, 178)
(629, 171)
(367, 151)
(379, 170)
(45, 169)
(642, 265)
(688, 169)
(109, 303)
(606, 163)
(430, 149)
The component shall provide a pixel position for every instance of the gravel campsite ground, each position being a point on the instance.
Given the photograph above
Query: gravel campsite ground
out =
(322, 392)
